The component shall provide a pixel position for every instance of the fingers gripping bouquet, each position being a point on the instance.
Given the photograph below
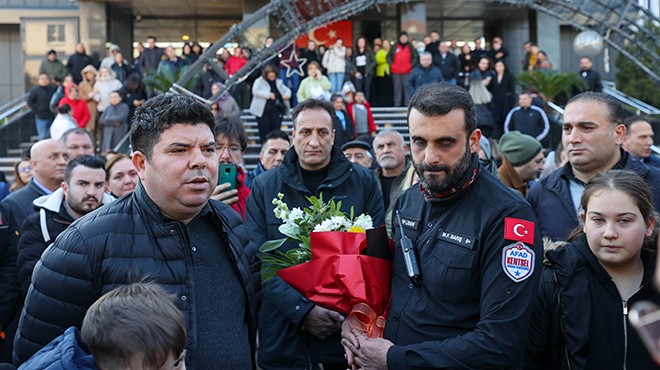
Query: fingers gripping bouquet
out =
(341, 263)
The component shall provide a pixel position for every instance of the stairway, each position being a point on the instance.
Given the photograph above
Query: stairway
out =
(387, 117)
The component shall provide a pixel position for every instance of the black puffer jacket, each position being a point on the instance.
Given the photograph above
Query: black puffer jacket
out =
(118, 244)
(568, 330)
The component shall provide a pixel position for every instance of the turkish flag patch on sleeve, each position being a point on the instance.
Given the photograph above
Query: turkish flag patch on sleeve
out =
(519, 230)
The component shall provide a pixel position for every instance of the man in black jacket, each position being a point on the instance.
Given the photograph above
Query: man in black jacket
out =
(39, 102)
(82, 191)
(294, 333)
(167, 231)
(592, 136)
(469, 303)
(594, 82)
(79, 60)
(447, 63)
(527, 118)
(48, 159)
(9, 296)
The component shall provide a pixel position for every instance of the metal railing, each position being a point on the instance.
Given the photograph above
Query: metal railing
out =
(11, 108)
(609, 88)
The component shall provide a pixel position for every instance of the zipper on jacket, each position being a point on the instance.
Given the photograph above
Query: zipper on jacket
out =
(625, 333)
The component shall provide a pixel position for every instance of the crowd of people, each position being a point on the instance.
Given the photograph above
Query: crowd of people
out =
(116, 246)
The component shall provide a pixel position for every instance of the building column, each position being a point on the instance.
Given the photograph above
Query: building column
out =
(413, 20)
(93, 27)
(549, 38)
(515, 32)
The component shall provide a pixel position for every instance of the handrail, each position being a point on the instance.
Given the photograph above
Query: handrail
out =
(609, 88)
(13, 106)
(555, 107)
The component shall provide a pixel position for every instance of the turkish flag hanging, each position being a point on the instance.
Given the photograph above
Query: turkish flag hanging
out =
(328, 34)
(519, 230)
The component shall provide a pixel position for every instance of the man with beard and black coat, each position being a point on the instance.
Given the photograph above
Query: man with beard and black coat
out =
(294, 333)
(82, 191)
(166, 231)
(468, 304)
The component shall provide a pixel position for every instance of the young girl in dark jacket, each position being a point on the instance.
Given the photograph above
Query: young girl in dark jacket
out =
(581, 316)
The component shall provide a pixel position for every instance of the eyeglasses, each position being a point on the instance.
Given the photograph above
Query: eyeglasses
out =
(24, 169)
(231, 148)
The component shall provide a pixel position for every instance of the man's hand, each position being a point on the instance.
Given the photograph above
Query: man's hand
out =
(322, 323)
(369, 353)
(348, 337)
(227, 197)
(272, 96)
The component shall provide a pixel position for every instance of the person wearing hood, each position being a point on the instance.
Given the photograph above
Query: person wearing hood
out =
(402, 57)
(86, 87)
(424, 73)
(114, 120)
(109, 60)
(80, 112)
(78, 61)
(52, 66)
(106, 83)
(226, 105)
(82, 191)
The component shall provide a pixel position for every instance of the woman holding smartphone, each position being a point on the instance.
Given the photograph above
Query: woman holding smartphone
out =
(588, 284)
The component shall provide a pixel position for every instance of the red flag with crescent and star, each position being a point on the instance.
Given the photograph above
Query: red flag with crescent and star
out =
(328, 34)
(519, 230)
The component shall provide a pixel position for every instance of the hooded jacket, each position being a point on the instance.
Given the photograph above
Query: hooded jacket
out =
(79, 109)
(40, 230)
(282, 343)
(66, 352)
(120, 243)
(561, 334)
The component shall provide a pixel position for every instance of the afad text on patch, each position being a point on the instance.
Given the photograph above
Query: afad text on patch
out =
(518, 261)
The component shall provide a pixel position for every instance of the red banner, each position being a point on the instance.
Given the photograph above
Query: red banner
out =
(328, 34)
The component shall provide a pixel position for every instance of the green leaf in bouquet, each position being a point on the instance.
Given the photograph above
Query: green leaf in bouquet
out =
(272, 245)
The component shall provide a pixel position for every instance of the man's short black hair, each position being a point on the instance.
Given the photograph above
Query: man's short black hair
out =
(64, 108)
(275, 134)
(628, 121)
(438, 99)
(152, 37)
(90, 161)
(232, 128)
(615, 111)
(313, 104)
(160, 113)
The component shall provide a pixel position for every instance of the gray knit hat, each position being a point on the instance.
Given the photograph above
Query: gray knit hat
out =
(519, 148)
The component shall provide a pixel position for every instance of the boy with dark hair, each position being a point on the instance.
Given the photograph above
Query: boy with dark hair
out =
(136, 326)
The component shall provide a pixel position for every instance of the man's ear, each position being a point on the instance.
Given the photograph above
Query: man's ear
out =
(139, 162)
(475, 136)
(619, 134)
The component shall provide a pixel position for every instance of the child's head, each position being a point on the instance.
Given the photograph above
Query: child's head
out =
(136, 326)
(359, 97)
(115, 98)
(618, 217)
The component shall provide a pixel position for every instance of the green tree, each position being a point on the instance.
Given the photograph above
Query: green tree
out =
(550, 84)
(631, 79)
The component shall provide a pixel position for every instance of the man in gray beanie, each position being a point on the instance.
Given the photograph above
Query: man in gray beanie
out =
(522, 160)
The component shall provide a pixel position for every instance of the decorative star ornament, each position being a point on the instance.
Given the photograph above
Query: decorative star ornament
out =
(332, 34)
(290, 70)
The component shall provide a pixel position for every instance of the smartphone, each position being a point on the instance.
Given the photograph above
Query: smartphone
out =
(645, 317)
(227, 174)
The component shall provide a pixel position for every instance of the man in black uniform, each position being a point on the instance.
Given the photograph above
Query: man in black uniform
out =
(476, 245)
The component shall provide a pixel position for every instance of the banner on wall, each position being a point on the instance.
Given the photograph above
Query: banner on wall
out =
(328, 34)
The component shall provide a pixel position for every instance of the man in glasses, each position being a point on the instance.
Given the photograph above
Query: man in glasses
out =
(231, 142)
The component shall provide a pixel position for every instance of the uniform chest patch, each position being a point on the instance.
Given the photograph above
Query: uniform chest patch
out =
(518, 261)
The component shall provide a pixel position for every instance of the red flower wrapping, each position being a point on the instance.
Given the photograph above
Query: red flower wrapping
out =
(340, 276)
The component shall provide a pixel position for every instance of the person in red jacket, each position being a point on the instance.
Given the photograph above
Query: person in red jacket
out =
(402, 58)
(79, 109)
(360, 110)
(235, 62)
